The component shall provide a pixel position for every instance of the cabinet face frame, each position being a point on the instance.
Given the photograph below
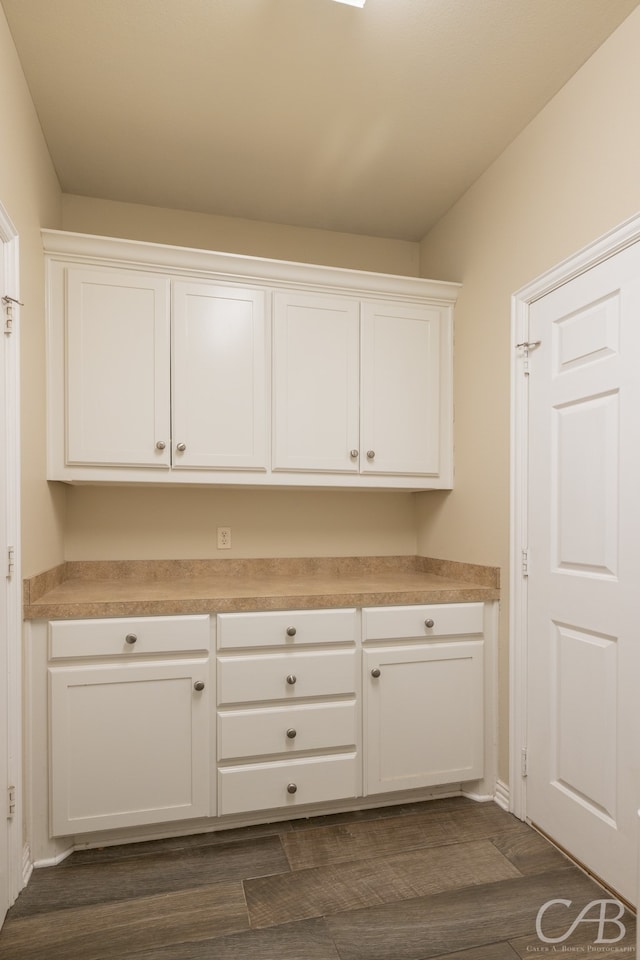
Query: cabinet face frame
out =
(181, 264)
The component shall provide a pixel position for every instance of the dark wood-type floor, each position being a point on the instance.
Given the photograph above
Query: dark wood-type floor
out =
(450, 878)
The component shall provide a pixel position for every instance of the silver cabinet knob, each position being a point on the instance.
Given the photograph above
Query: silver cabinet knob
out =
(292, 788)
(131, 638)
(291, 679)
(354, 454)
(291, 631)
(371, 454)
(198, 685)
(181, 447)
(429, 623)
(375, 672)
(291, 733)
(160, 445)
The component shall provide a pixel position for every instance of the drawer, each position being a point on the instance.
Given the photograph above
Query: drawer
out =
(265, 786)
(294, 628)
(449, 619)
(280, 676)
(290, 729)
(106, 638)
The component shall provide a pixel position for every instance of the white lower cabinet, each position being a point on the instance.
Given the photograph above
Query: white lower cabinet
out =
(129, 734)
(288, 731)
(313, 707)
(423, 701)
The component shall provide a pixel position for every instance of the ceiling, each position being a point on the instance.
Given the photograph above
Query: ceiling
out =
(305, 112)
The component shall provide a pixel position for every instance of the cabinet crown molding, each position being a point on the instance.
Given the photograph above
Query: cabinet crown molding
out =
(110, 251)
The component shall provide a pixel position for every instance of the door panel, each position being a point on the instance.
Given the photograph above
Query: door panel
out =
(583, 785)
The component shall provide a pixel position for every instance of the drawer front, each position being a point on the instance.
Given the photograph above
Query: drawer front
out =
(295, 628)
(128, 636)
(265, 786)
(447, 619)
(290, 729)
(286, 676)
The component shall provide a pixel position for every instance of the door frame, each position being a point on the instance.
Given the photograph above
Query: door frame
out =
(11, 684)
(600, 250)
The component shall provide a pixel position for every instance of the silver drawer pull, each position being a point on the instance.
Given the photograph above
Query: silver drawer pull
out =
(291, 631)
(291, 679)
(292, 788)
(160, 445)
(291, 733)
(198, 685)
(375, 672)
(429, 623)
(131, 638)
(371, 454)
(181, 447)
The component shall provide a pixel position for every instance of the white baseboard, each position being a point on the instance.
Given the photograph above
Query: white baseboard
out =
(502, 795)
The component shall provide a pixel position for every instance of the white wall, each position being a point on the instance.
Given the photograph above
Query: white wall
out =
(573, 174)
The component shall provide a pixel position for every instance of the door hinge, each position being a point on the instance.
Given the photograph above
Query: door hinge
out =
(11, 561)
(523, 762)
(525, 562)
(9, 303)
(11, 802)
(526, 346)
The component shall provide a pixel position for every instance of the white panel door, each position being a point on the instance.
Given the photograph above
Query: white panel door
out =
(117, 342)
(129, 745)
(583, 785)
(316, 383)
(219, 377)
(400, 420)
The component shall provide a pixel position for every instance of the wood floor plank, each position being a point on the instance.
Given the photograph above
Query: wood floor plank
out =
(363, 840)
(152, 848)
(454, 921)
(308, 940)
(322, 891)
(169, 871)
(117, 930)
(491, 951)
(528, 851)
(434, 808)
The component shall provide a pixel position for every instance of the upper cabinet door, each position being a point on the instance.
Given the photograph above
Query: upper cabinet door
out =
(117, 368)
(315, 382)
(219, 386)
(402, 400)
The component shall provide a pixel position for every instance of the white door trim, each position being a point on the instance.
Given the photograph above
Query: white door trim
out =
(10, 490)
(602, 249)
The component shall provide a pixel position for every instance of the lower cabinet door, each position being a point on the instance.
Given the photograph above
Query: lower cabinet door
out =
(287, 783)
(424, 715)
(129, 745)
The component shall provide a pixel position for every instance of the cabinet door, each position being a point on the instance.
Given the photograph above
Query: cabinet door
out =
(401, 389)
(117, 358)
(315, 383)
(219, 385)
(423, 715)
(129, 745)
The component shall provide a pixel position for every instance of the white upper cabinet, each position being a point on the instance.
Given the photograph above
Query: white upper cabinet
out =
(117, 383)
(219, 397)
(401, 389)
(181, 366)
(316, 382)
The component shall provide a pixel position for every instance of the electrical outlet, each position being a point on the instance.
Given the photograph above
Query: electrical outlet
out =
(224, 538)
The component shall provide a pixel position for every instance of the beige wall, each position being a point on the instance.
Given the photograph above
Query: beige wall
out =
(30, 193)
(126, 523)
(573, 174)
(248, 237)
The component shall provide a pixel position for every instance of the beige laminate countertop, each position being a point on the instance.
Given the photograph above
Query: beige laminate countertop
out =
(82, 589)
